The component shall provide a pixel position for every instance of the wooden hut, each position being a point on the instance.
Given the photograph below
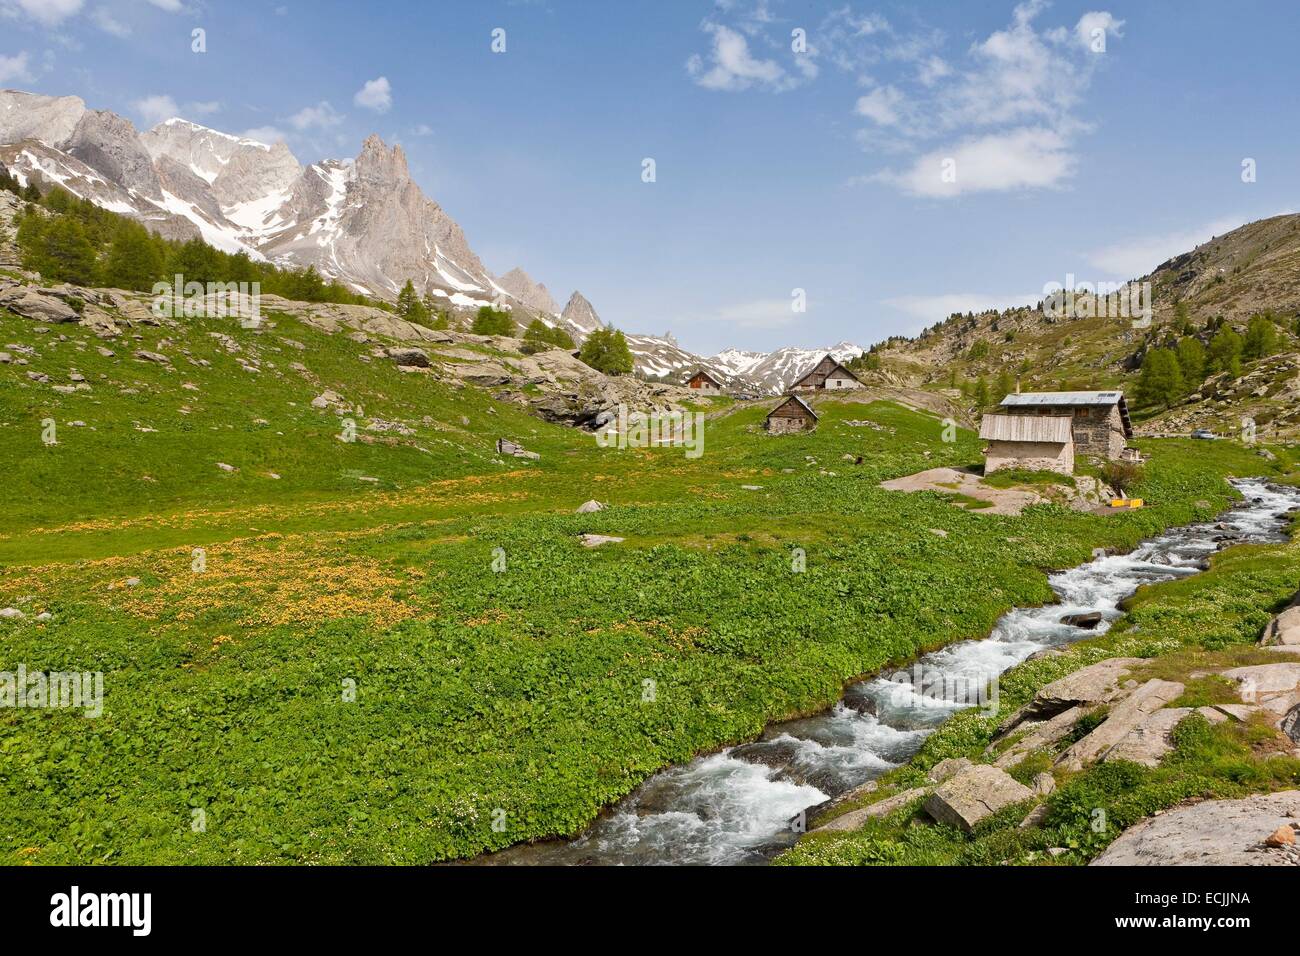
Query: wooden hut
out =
(792, 415)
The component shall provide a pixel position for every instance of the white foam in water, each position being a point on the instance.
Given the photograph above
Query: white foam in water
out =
(724, 810)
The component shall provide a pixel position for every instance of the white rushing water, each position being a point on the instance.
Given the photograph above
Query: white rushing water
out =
(736, 806)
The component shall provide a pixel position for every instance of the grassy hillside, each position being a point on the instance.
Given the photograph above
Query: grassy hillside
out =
(1222, 285)
(520, 689)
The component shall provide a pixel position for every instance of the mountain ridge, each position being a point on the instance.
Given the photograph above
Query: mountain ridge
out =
(361, 221)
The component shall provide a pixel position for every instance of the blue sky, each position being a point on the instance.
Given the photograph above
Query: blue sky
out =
(775, 169)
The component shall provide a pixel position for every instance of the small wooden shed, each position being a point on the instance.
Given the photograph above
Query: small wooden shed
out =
(792, 415)
(1031, 442)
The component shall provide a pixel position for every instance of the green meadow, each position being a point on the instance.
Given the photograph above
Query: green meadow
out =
(369, 651)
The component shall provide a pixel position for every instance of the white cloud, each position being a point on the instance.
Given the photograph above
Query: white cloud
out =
(321, 116)
(50, 13)
(1029, 158)
(375, 95)
(758, 314)
(15, 68)
(171, 6)
(1095, 20)
(422, 129)
(928, 309)
(270, 135)
(1131, 258)
(106, 22)
(881, 105)
(933, 70)
(1006, 113)
(733, 68)
(154, 109)
(204, 109)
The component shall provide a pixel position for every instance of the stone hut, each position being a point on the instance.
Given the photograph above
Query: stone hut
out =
(1031, 442)
(1100, 424)
(792, 415)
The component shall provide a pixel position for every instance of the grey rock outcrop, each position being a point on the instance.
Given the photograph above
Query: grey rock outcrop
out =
(408, 356)
(1149, 741)
(38, 305)
(1123, 718)
(974, 794)
(1213, 833)
(1284, 630)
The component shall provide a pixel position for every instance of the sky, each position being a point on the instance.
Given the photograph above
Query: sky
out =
(708, 167)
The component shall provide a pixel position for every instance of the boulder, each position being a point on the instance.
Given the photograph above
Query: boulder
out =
(1039, 736)
(328, 399)
(1260, 683)
(1149, 741)
(1284, 629)
(1282, 836)
(974, 794)
(587, 507)
(1290, 724)
(596, 540)
(1094, 684)
(507, 447)
(1044, 783)
(99, 322)
(146, 356)
(11, 614)
(1123, 718)
(858, 700)
(408, 356)
(946, 769)
(1212, 715)
(1086, 621)
(1035, 817)
(1241, 712)
(1212, 833)
(41, 308)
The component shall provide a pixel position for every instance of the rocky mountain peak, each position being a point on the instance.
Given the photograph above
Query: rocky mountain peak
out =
(534, 295)
(50, 119)
(379, 164)
(581, 314)
(110, 144)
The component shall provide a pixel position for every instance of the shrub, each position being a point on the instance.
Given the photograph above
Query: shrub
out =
(1122, 475)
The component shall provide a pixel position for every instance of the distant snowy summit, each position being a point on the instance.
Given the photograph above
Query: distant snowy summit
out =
(361, 221)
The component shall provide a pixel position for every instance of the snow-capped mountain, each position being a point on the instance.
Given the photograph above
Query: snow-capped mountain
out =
(778, 370)
(738, 361)
(362, 221)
